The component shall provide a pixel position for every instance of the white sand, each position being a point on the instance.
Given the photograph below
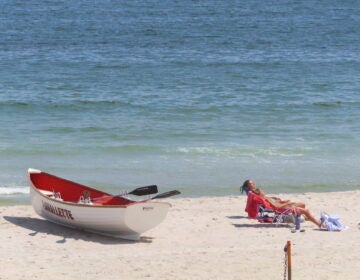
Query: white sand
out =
(202, 238)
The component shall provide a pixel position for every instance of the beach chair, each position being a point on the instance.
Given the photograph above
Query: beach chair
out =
(259, 208)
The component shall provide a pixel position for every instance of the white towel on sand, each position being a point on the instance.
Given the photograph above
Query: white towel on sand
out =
(332, 222)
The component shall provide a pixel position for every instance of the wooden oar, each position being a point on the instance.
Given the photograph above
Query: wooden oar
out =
(166, 194)
(146, 190)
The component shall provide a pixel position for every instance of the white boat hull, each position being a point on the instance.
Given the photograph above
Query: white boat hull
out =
(127, 222)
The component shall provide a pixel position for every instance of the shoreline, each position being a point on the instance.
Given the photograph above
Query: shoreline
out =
(201, 238)
(24, 199)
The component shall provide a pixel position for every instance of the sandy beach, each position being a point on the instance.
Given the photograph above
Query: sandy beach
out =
(201, 238)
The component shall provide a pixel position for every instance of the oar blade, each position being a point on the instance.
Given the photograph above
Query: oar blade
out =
(146, 190)
(166, 194)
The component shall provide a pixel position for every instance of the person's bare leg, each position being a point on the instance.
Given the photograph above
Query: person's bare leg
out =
(300, 204)
(308, 215)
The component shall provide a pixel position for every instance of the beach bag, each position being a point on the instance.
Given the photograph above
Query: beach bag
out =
(332, 222)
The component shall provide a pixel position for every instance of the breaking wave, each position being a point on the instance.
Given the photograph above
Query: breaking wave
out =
(14, 190)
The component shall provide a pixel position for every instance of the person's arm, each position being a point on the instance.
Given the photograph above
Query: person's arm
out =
(280, 205)
(277, 199)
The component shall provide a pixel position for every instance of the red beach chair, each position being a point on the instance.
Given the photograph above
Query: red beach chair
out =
(259, 208)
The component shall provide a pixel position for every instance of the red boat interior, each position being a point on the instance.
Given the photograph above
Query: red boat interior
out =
(69, 191)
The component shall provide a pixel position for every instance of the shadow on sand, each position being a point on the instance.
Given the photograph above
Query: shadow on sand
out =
(42, 226)
(259, 225)
(237, 217)
(262, 225)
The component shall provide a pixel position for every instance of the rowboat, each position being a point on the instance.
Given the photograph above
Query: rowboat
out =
(77, 206)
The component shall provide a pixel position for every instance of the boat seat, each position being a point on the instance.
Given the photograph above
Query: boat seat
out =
(52, 194)
(47, 193)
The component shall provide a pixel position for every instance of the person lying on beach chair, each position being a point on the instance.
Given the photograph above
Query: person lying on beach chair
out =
(249, 185)
(258, 208)
(287, 205)
(277, 204)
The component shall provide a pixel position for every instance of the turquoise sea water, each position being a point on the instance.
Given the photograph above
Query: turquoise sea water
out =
(192, 95)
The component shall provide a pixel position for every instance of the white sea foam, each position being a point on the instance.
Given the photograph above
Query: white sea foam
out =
(13, 190)
(235, 151)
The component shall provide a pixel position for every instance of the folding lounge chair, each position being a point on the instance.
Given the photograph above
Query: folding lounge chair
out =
(259, 208)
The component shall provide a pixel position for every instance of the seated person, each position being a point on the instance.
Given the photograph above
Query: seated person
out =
(278, 203)
(250, 186)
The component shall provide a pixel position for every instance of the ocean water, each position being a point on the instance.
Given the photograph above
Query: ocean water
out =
(190, 95)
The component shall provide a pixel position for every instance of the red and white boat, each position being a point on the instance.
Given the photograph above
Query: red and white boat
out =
(74, 205)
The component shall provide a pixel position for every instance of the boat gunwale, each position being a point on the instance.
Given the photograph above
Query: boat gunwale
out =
(90, 205)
